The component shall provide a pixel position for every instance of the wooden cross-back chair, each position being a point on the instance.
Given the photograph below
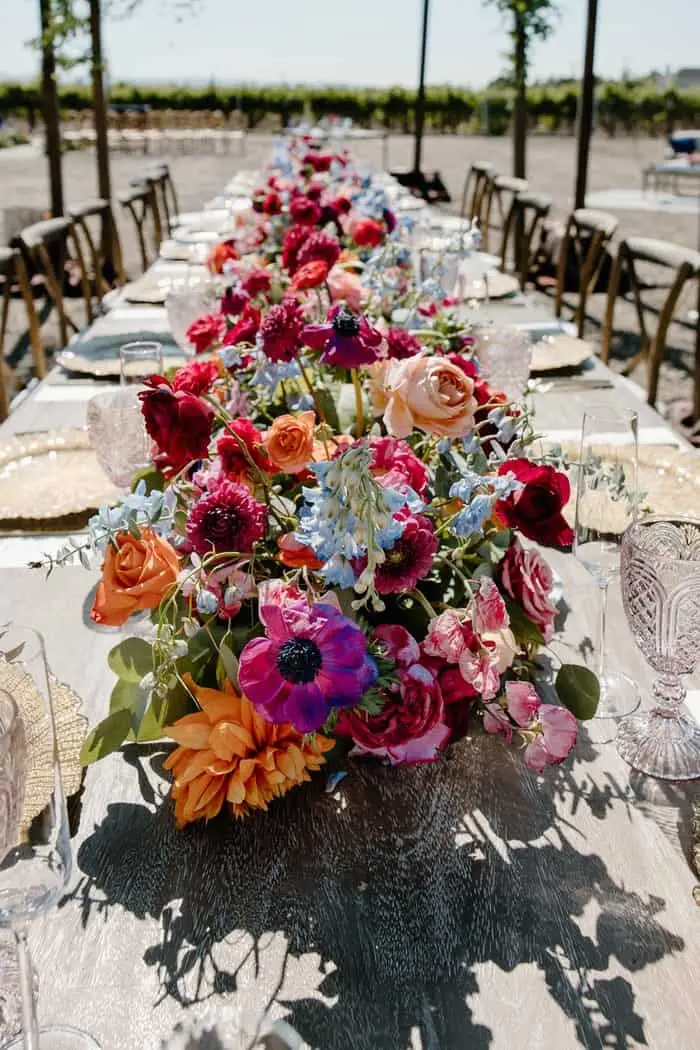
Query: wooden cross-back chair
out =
(97, 243)
(523, 225)
(166, 194)
(141, 203)
(585, 243)
(500, 190)
(49, 246)
(14, 272)
(685, 265)
(474, 191)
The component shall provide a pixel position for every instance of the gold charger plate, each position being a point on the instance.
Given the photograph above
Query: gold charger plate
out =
(50, 482)
(556, 353)
(499, 286)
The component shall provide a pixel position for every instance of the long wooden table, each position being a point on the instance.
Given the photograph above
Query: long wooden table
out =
(464, 904)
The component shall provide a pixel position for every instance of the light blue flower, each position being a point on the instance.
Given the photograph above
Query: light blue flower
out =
(471, 519)
(229, 356)
(207, 603)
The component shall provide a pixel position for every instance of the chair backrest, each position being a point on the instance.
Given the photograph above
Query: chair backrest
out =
(50, 246)
(141, 203)
(586, 238)
(685, 264)
(524, 220)
(167, 197)
(102, 245)
(500, 190)
(474, 191)
(13, 271)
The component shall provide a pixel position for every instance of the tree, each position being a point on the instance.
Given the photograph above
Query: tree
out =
(530, 20)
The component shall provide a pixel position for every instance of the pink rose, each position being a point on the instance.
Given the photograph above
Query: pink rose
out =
(428, 393)
(206, 332)
(552, 730)
(346, 285)
(527, 578)
(397, 466)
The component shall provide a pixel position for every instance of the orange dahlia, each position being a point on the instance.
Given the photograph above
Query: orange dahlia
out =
(229, 753)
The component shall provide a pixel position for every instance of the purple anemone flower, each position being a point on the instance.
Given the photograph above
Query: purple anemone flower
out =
(311, 660)
(347, 341)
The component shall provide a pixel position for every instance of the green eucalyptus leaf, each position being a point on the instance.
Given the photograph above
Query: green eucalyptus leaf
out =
(131, 659)
(579, 690)
(107, 737)
(154, 478)
(229, 662)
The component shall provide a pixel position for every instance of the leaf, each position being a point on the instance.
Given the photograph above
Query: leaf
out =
(326, 402)
(579, 690)
(525, 631)
(107, 737)
(155, 480)
(164, 711)
(131, 659)
(125, 696)
(229, 662)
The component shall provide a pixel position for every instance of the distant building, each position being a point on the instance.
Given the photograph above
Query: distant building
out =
(687, 78)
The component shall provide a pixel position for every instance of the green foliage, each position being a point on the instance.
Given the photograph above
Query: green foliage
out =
(579, 690)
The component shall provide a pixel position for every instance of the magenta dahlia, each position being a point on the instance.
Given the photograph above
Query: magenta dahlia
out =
(225, 520)
(400, 343)
(294, 239)
(281, 331)
(319, 245)
(234, 301)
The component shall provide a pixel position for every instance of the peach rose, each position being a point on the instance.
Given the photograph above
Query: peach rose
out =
(290, 441)
(429, 393)
(136, 574)
(343, 284)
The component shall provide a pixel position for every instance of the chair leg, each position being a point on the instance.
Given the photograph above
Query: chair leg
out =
(696, 397)
(606, 333)
(561, 273)
(32, 319)
(658, 343)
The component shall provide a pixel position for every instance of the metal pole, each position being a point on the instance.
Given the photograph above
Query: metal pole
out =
(420, 99)
(585, 114)
(99, 109)
(49, 107)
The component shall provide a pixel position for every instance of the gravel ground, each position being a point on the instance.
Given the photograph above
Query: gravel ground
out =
(614, 163)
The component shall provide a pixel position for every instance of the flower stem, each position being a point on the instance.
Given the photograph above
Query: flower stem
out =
(359, 408)
(309, 387)
(422, 601)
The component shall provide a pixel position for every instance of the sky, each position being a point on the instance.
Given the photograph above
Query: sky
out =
(373, 42)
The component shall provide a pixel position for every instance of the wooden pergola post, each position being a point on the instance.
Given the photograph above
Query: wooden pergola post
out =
(49, 107)
(585, 107)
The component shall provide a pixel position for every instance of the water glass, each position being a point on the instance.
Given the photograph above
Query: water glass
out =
(661, 596)
(606, 504)
(117, 433)
(505, 356)
(138, 361)
(35, 854)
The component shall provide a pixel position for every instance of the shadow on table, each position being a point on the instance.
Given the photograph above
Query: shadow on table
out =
(398, 894)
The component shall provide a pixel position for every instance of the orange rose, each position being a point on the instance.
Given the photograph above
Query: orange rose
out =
(135, 575)
(290, 441)
(429, 393)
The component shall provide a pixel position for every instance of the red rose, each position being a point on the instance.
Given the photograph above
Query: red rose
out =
(527, 578)
(197, 377)
(319, 245)
(257, 282)
(304, 211)
(205, 332)
(234, 301)
(179, 423)
(367, 233)
(293, 240)
(314, 191)
(536, 509)
(318, 161)
(246, 328)
(411, 727)
(272, 204)
(238, 447)
(310, 275)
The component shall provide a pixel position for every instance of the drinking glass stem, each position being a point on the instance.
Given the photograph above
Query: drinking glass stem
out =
(602, 630)
(669, 694)
(30, 1028)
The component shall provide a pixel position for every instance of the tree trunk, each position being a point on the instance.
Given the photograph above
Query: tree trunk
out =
(49, 105)
(99, 107)
(520, 108)
(585, 108)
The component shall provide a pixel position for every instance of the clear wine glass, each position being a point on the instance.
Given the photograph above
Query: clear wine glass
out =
(35, 852)
(117, 433)
(139, 360)
(505, 355)
(661, 596)
(606, 504)
(187, 300)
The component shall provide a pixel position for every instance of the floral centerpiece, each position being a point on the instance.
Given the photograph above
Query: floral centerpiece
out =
(336, 544)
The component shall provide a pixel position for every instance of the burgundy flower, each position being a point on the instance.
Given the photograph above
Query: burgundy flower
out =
(411, 726)
(318, 161)
(389, 219)
(257, 282)
(304, 210)
(241, 444)
(409, 560)
(179, 423)
(246, 328)
(225, 520)
(197, 377)
(347, 341)
(400, 343)
(272, 204)
(234, 301)
(281, 331)
(319, 245)
(536, 509)
(205, 332)
(314, 190)
(291, 246)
